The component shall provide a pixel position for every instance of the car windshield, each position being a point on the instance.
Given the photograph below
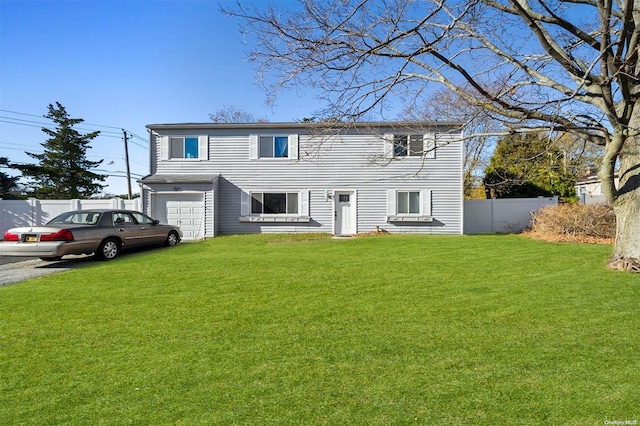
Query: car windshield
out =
(77, 218)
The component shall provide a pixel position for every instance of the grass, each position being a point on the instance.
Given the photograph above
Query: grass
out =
(305, 330)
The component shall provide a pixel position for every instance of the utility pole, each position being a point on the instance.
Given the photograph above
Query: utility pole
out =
(126, 159)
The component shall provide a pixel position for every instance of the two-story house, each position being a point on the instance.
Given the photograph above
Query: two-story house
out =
(213, 179)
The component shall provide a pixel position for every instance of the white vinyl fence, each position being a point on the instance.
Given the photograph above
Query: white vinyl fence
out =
(591, 199)
(504, 215)
(34, 212)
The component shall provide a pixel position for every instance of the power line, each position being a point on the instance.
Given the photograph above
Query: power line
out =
(83, 123)
(108, 134)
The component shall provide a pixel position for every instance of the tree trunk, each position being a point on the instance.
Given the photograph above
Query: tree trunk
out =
(626, 204)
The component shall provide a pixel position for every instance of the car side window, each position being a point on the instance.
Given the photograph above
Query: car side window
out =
(120, 218)
(142, 219)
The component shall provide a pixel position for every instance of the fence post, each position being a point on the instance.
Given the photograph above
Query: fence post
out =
(493, 223)
(35, 211)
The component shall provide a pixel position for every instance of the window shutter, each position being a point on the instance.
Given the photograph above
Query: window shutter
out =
(304, 202)
(164, 147)
(391, 202)
(253, 147)
(429, 145)
(293, 146)
(388, 145)
(203, 147)
(245, 203)
(426, 202)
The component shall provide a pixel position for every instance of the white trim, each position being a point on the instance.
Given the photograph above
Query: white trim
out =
(429, 145)
(388, 145)
(293, 146)
(203, 147)
(253, 147)
(164, 147)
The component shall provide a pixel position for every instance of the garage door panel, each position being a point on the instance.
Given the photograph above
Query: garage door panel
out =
(183, 210)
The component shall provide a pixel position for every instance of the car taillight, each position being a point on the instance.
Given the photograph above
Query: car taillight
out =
(61, 235)
(10, 236)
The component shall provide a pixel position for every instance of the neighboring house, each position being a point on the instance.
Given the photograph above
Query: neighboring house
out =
(589, 187)
(213, 178)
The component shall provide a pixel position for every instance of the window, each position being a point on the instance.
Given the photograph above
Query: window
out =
(186, 147)
(274, 146)
(281, 147)
(409, 205)
(142, 219)
(412, 145)
(274, 203)
(408, 202)
(122, 218)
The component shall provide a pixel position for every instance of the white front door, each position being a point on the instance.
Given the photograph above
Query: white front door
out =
(345, 212)
(184, 210)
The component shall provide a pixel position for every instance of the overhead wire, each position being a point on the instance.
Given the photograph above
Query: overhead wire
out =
(41, 124)
(83, 127)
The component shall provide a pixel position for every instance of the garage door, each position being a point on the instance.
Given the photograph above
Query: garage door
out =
(184, 210)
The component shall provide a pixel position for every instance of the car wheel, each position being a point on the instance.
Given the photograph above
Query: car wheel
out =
(51, 258)
(172, 239)
(109, 249)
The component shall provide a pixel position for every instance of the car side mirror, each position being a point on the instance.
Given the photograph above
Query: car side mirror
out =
(156, 221)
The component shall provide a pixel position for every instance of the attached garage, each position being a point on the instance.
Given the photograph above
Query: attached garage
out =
(186, 201)
(184, 210)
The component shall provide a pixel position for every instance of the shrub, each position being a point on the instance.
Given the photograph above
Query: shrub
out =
(591, 223)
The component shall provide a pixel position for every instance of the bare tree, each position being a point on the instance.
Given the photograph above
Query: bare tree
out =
(565, 66)
(443, 104)
(232, 114)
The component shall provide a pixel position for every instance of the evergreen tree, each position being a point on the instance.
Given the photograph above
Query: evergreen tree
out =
(63, 172)
(8, 185)
(526, 165)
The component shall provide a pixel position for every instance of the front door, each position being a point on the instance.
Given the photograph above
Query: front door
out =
(345, 212)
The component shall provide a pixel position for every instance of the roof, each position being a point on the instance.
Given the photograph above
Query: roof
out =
(187, 178)
(309, 125)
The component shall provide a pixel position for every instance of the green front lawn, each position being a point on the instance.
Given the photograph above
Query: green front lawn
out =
(309, 330)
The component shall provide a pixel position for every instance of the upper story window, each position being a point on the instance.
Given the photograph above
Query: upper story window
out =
(186, 147)
(277, 146)
(274, 146)
(412, 145)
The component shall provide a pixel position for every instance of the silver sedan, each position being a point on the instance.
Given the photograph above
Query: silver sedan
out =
(102, 232)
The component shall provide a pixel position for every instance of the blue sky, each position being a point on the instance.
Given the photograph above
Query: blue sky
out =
(123, 64)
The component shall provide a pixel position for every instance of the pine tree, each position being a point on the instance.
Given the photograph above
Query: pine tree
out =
(63, 172)
(8, 184)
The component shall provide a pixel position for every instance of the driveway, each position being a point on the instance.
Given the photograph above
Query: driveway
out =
(16, 269)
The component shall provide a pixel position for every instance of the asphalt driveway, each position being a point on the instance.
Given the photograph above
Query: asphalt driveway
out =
(16, 269)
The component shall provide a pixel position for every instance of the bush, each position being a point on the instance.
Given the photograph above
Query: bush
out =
(591, 223)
